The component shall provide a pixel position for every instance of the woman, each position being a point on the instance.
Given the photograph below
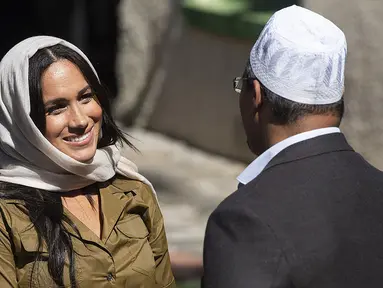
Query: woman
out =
(73, 211)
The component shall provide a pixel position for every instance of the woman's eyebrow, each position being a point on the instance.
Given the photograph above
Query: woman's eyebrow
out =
(83, 90)
(63, 100)
(55, 101)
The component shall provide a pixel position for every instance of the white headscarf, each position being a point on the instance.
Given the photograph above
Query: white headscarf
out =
(26, 156)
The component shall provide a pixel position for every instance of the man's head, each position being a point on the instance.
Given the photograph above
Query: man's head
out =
(294, 80)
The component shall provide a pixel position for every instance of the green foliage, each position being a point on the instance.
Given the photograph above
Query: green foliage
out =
(235, 18)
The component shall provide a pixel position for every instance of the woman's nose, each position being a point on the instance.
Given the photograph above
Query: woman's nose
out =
(78, 118)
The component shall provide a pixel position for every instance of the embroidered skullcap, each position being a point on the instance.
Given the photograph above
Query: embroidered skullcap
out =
(300, 55)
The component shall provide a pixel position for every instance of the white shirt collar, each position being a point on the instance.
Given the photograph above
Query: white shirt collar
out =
(256, 167)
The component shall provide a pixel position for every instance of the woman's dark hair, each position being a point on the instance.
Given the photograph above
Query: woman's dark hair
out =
(44, 207)
(285, 111)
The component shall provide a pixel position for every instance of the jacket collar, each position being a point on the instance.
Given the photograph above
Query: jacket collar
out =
(259, 164)
(334, 142)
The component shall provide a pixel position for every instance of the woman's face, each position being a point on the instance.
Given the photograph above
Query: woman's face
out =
(73, 116)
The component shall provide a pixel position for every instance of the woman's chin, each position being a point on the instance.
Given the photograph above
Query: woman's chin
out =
(82, 154)
(84, 157)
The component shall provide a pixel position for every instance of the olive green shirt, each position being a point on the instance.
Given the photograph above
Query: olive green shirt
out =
(132, 251)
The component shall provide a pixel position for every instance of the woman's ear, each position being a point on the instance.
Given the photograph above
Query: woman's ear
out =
(258, 96)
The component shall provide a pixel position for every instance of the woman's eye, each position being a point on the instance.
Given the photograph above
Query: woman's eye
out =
(55, 110)
(86, 98)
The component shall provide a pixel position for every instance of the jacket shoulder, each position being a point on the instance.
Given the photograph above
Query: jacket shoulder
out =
(14, 215)
(123, 185)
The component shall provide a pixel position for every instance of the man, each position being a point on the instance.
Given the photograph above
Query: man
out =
(308, 211)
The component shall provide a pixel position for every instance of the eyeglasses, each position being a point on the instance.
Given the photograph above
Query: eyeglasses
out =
(238, 83)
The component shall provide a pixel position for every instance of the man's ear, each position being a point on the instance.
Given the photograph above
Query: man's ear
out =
(258, 96)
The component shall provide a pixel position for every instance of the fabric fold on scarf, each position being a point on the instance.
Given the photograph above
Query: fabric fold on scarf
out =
(26, 156)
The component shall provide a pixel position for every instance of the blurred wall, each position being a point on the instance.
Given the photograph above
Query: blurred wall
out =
(148, 31)
(362, 23)
(197, 103)
(187, 93)
(177, 79)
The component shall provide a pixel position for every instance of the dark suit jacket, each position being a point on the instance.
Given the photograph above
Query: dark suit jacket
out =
(313, 218)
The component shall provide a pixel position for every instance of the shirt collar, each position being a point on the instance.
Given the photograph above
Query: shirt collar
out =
(256, 167)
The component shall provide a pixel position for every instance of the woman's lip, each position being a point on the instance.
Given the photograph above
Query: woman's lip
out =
(84, 142)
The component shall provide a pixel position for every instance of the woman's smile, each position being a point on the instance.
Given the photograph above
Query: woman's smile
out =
(80, 140)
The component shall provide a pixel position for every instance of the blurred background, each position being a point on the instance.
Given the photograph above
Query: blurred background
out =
(169, 65)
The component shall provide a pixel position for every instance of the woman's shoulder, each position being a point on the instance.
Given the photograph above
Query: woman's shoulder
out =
(10, 205)
(13, 214)
(13, 210)
(138, 187)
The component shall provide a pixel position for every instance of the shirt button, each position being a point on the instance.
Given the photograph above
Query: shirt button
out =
(109, 277)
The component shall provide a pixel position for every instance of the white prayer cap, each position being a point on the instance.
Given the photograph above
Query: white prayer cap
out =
(300, 55)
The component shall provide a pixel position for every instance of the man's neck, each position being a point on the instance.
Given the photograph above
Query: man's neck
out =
(278, 133)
